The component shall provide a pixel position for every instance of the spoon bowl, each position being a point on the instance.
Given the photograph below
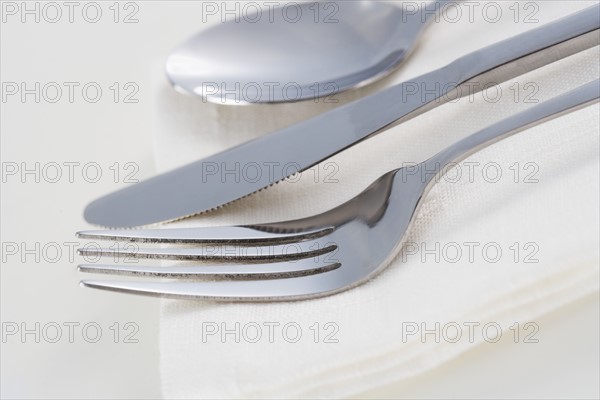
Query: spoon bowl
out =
(295, 52)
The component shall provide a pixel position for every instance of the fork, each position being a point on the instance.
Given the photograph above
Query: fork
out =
(309, 257)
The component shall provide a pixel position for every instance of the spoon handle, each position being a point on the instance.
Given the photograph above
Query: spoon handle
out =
(550, 109)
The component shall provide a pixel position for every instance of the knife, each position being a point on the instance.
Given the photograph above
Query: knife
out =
(227, 176)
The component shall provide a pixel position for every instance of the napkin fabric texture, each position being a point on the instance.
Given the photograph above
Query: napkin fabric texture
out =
(511, 234)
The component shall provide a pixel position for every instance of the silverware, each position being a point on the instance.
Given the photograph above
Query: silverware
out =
(296, 52)
(315, 256)
(200, 186)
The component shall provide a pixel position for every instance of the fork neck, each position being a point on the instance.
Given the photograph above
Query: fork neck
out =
(439, 164)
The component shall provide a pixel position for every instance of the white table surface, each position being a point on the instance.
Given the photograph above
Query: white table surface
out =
(563, 364)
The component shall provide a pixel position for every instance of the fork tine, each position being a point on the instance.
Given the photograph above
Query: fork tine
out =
(249, 271)
(255, 290)
(231, 253)
(259, 234)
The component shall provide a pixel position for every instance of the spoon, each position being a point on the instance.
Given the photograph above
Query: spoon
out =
(297, 51)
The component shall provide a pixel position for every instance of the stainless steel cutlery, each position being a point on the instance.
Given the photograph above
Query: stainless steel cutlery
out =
(196, 188)
(310, 257)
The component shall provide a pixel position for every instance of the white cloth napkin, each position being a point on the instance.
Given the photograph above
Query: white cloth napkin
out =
(545, 204)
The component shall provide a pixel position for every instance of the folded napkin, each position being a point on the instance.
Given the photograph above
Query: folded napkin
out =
(508, 236)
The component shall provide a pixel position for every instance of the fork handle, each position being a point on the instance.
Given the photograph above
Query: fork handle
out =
(550, 109)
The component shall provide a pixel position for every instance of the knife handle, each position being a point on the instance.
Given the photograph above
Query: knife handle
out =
(531, 50)
(491, 65)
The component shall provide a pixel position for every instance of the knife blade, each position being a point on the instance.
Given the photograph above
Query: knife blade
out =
(232, 174)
